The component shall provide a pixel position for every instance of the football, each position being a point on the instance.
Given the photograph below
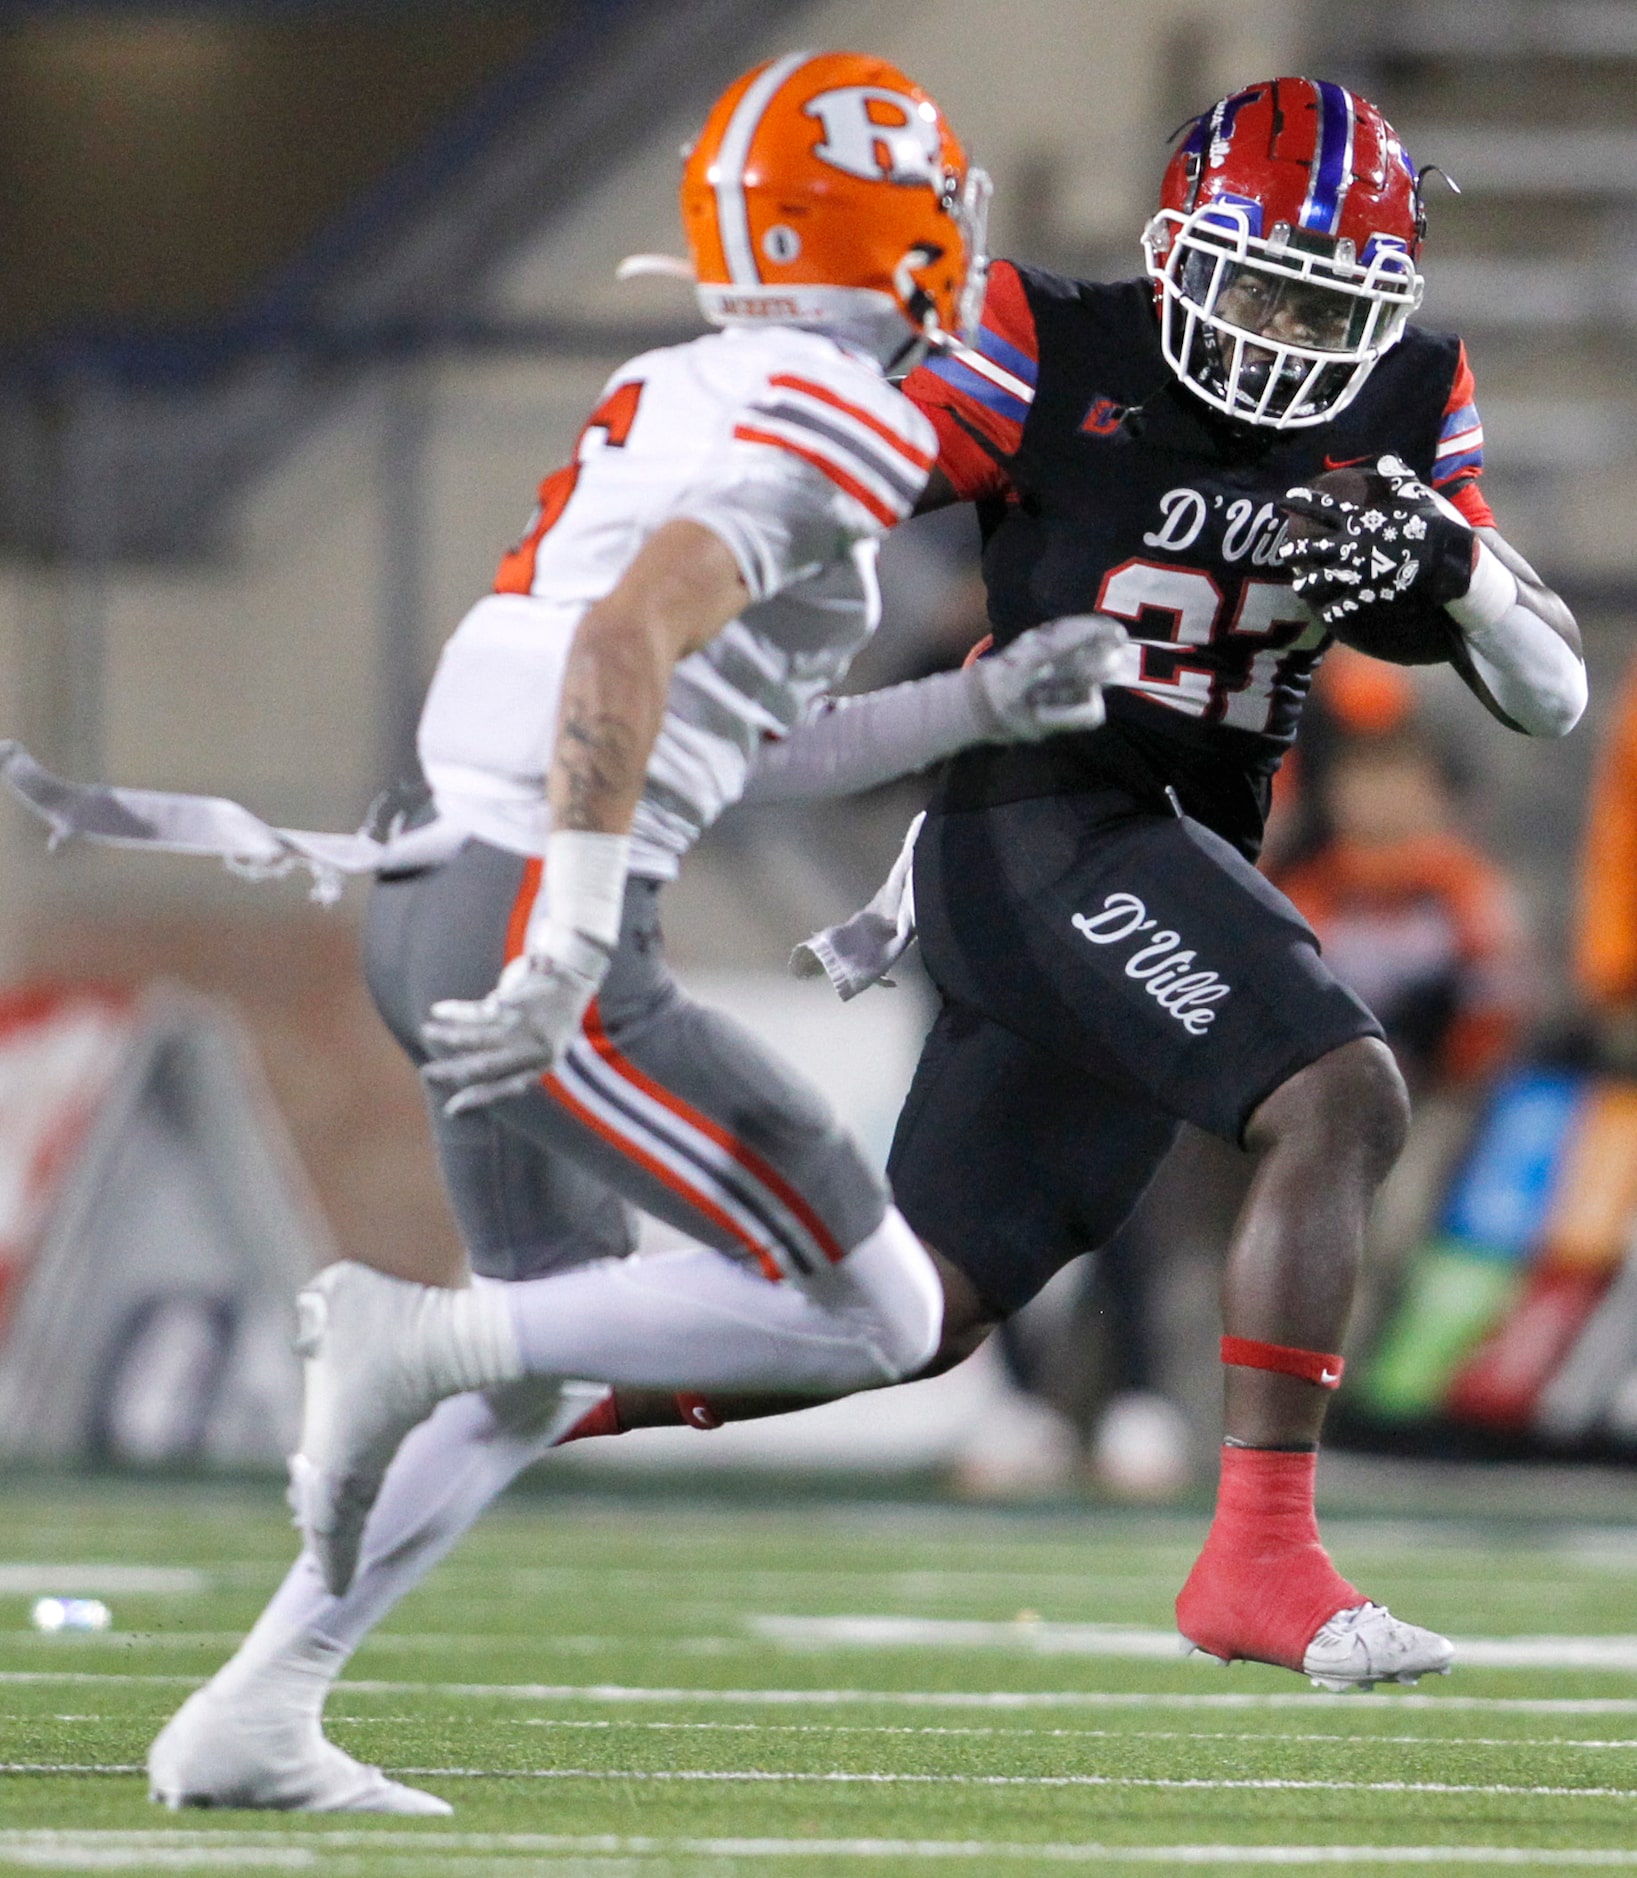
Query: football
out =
(1402, 631)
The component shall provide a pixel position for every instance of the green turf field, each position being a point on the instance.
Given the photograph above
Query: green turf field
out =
(658, 1684)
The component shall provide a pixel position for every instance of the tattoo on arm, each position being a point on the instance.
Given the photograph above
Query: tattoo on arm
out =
(595, 751)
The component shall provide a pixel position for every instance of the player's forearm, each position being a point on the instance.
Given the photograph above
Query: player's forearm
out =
(681, 589)
(858, 743)
(1520, 643)
(614, 688)
(1046, 683)
(613, 698)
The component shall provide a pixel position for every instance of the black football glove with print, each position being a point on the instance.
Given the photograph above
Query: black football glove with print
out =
(1395, 544)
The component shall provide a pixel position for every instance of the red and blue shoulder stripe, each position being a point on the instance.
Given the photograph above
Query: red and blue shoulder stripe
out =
(1458, 461)
(978, 396)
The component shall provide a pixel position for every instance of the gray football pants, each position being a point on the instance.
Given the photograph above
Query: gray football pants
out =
(660, 1103)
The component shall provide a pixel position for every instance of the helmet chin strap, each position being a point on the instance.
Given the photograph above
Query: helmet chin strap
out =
(920, 307)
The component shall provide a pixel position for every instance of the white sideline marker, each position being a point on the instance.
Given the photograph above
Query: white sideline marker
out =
(92, 1850)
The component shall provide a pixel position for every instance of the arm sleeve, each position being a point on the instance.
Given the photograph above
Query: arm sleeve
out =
(1606, 930)
(978, 398)
(1458, 462)
(849, 744)
(1529, 670)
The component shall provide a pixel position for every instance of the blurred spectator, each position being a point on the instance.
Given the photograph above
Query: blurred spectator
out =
(1421, 924)
(1352, 696)
(1606, 931)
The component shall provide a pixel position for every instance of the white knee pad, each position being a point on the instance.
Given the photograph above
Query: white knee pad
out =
(896, 1291)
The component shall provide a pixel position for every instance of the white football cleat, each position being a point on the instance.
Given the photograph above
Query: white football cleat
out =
(218, 1751)
(380, 1354)
(1366, 1645)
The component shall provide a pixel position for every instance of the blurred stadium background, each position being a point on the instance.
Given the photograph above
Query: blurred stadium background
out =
(300, 300)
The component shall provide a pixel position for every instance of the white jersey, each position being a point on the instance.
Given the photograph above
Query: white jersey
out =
(792, 449)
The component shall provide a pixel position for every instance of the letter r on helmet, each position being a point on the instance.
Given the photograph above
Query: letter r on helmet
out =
(906, 151)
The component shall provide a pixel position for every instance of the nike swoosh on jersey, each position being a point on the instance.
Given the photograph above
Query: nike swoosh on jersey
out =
(1346, 462)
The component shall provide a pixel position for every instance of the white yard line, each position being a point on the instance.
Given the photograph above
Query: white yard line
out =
(1354, 1740)
(106, 1849)
(1005, 1700)
(759, 1776)
(1024, 1636)
(71, 1767)
(102, 1676)
(179, 1858)
(756, 1776)
(1035, 1638)
(101, 1581)
(395, 1643)
(100, 1640)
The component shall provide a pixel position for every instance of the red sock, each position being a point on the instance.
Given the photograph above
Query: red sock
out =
(604, 1419)
(1264, 1586)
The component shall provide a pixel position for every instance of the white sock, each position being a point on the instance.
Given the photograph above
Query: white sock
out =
(463, 1456)
(694, 1319)
(690, 1319)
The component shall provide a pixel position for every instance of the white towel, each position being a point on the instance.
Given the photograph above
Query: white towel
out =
(211, 825)
(859, 952)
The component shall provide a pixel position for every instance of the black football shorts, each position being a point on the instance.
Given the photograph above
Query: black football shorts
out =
(1106, 973)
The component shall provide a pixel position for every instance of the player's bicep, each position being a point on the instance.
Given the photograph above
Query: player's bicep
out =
(681, 589)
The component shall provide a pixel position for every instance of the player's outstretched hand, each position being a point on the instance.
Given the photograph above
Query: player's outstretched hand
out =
(1399, 541)
(1050, 679)
(486, 1049)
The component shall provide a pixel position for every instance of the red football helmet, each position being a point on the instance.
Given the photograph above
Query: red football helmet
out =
(1284, 251)
(827, 189)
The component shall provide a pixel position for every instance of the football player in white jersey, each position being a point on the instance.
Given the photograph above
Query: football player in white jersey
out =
(690, 585)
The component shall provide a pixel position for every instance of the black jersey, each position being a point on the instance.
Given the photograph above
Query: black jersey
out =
(1105, 485)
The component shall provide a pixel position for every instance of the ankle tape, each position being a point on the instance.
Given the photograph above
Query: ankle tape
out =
(1309, 1365)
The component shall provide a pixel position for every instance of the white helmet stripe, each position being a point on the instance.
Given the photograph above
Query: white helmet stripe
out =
(732, 211)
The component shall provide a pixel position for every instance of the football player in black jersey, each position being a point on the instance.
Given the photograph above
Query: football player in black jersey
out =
(1110, 962)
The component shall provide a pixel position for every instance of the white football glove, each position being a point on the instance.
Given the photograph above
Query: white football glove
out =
(501, 1045)
(1050, 679)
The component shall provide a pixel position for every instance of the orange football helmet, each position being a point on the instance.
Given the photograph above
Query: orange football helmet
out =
(826, 189)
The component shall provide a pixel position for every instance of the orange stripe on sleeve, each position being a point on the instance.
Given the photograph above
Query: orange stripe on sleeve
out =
(922, 459)
(849, 485)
